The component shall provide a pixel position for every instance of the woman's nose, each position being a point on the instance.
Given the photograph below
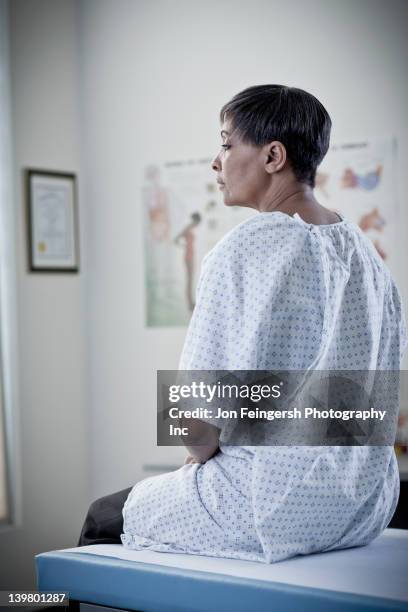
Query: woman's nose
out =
(215, 164)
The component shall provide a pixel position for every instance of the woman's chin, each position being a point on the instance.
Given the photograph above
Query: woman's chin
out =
(228, 200)
(231, 201)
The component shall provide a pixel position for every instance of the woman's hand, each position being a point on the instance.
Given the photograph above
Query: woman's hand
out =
(202, 441)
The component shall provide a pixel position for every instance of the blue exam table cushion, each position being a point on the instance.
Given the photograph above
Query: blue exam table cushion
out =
(372, 577)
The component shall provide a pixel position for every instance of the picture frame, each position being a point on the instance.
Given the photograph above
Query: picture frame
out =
(52, 221)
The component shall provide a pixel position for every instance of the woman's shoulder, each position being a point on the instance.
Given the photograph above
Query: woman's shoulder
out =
(262, 230)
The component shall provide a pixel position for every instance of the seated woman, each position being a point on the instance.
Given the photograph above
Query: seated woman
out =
(295, 287)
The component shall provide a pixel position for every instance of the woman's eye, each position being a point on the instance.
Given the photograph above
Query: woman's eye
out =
(226, 146)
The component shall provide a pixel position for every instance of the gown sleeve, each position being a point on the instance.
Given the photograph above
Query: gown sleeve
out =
(394, 335)
(256, 289)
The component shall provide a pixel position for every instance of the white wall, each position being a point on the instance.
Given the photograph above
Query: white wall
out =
(52, 337)
(154, 75)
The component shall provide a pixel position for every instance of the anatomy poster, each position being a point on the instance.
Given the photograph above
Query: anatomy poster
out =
(185, 216)
(359, 180)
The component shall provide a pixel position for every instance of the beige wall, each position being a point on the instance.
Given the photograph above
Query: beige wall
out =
(52, 350)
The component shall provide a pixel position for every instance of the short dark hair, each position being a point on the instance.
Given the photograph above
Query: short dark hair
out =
(294, 117)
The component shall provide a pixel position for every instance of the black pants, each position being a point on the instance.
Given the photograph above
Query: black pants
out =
(104, 521)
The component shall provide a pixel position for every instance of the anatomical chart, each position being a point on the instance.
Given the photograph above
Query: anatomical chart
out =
(359, 180)
(185, 216)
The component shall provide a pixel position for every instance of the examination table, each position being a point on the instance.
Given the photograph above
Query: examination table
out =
(108, 576)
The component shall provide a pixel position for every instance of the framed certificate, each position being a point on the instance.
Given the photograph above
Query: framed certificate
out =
(52, 221)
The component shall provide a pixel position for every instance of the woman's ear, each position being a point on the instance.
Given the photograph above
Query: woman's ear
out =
(275, 156)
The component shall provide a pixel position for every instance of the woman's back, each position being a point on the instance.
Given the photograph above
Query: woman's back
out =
(281, 294)
(278, 294)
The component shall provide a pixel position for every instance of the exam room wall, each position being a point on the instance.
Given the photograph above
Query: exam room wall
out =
(154, 75)
(52, 410)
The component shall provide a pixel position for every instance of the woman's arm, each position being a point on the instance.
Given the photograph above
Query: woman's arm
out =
(202, 441)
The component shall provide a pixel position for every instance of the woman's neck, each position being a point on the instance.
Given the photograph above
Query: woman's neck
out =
(298, 198)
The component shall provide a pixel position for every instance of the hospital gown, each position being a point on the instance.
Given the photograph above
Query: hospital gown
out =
(276, 293)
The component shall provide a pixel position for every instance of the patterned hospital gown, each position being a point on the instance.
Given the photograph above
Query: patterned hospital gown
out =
(276, 293)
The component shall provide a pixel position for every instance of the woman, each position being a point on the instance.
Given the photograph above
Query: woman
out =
(295, 287)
